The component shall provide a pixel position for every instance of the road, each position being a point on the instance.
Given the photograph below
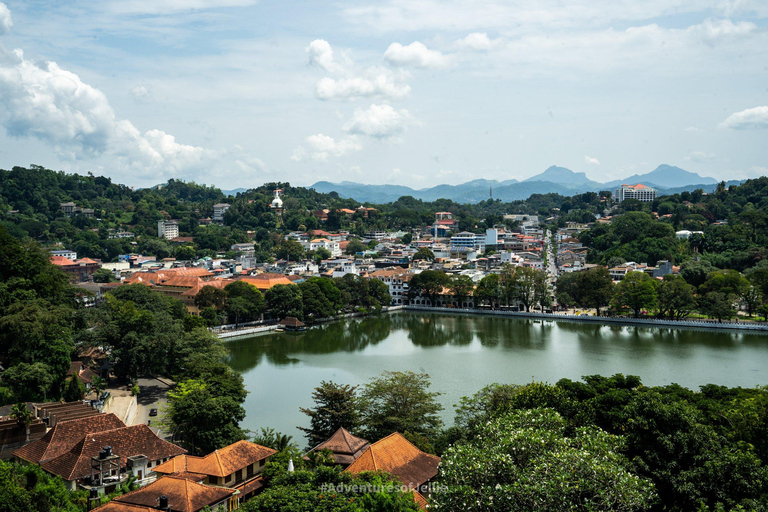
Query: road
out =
(152, 395)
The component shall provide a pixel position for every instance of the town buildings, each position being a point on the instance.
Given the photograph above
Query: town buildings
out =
(168, 229)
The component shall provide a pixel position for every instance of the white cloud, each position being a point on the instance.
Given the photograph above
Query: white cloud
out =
(477, 41)
(5, 19)
(750, 118)
(415, 55)
(43, 101)
(700, 156)
(299, 154)
(379, 121)
(712, 31)
(141, 92)
(321, 55)
(693, 129)
(174, 6)
(591, 160)
(378, 86)
(323, 146)
(530, 16)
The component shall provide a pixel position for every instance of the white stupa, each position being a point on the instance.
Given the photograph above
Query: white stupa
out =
(277, 203)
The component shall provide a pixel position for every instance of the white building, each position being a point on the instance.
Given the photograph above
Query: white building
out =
(396, 279)
(218, 211)
(65, 253)
(639, 192)
(346, 267)
(244, 249)
(323, 243)
(463, 239)
(168, 229)
(684, 234)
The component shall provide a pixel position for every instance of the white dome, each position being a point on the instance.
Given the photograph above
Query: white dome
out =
(277, 203)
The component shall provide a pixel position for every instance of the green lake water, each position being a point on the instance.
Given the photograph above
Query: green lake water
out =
(463, 353)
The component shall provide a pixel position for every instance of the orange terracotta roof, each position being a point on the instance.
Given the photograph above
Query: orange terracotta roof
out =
(344, 446)
(220, 463)
(183, 496)
(399, 457)
(125, 442)
(61, 261)
(87, 261)
(216, 283)
(266, 281)
(66, 434)
(420, 500)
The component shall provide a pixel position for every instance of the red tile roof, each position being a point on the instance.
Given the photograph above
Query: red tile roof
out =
(125, 442)
(66, 434)
(183, 496)
(397, 456)
(344, 446)
(220, 463)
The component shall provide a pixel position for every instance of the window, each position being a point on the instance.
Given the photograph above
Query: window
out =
(228, 479)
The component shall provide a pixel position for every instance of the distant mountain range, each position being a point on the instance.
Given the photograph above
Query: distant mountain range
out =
(666, 179)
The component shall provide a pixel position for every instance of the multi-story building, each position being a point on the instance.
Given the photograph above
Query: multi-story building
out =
(168, 229)
(639, 192)
(65, 253)
(396, 279)
(218, 212)
(464, 239)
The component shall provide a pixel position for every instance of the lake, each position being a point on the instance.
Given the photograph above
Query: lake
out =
(463, 353)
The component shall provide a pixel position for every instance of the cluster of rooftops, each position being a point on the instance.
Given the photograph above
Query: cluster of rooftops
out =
(99, 452)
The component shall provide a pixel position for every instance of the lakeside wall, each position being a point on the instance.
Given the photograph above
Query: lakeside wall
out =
(646, 322)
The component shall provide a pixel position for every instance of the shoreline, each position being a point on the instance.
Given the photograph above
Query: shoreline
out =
(600, 320)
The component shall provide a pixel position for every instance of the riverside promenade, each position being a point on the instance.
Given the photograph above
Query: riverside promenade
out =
(602, 320)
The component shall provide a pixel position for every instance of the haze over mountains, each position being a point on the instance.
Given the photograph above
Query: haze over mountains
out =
(666, 178)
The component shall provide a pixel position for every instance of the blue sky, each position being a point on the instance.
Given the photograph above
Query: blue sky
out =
(416, 92)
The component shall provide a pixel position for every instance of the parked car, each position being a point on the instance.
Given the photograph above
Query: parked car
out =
(153, 412)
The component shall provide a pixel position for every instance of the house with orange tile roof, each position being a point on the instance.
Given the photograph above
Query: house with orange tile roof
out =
(400, 458)
(99, 452)
(344, 447)
(266, 280)
(173, 494)
(79, 271)
(237, 466)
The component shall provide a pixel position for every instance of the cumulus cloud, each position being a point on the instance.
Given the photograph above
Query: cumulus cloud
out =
(141, 92)
(750, 118)
(173, 6)
(415, 55)
(321, 55)
(591, 160)
(5, 19)
(377, 86)
(700, 156)
(43, 101)
(711, 31)
(323, 146)
(379, 121)
(477, 41)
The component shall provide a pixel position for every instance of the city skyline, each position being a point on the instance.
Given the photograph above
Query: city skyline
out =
(236, 93)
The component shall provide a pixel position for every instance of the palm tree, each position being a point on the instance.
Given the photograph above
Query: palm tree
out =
(98, 385)
(20, 413)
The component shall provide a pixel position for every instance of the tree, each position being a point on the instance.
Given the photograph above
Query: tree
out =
(717, 305)
(429, 283)
(695, 272)
(103, 275)
(336, 406)
(74, 389)
(596, 288)
(676, 298)
(406, 238)
(285, 300)
(424, 253)
(729, 282)
(98, 384)
(528, 287)
(637, 291)
(203, 416)
(21, 413)
(290, 250)
(751, 297)
(272, 439)
(523, 460)
(29, 382)
(245, 301)
(489, 290)
(399, 402)
(355, 246)
(462, 287)
(211, 297)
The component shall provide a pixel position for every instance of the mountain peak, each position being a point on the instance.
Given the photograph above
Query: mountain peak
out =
(562, 176)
